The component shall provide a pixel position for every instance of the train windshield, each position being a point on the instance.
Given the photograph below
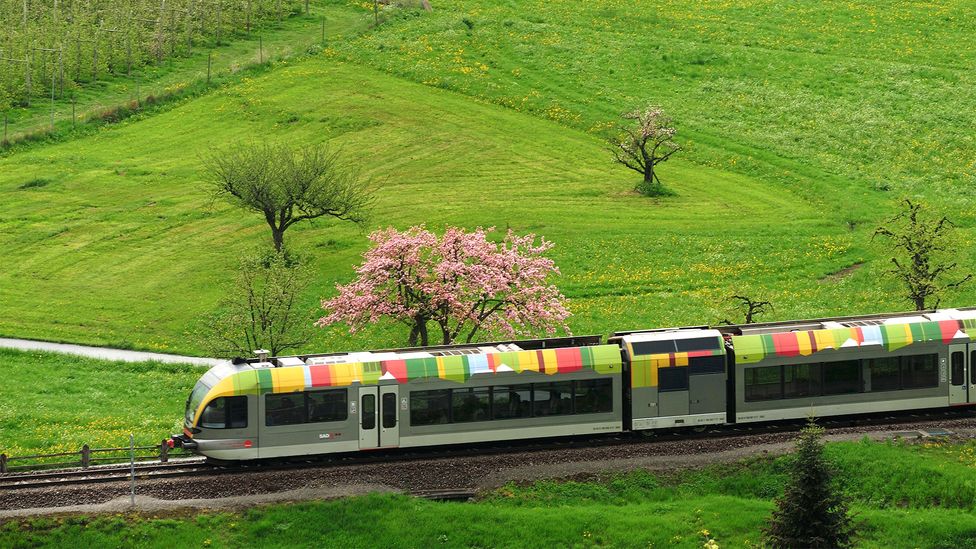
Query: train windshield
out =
(200, 390)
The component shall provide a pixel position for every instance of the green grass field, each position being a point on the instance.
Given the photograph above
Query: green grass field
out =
(726, 503)
(803, 127)
(110, 239)
(56, 403)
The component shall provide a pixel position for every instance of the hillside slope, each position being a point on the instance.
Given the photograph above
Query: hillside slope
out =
(121, 243)
(869, 94)
(111, 239)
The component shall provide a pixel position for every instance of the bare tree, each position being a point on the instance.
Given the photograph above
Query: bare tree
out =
(288, 185)
(918, 265)
(262, 308)
(642, 141)
(751, 308)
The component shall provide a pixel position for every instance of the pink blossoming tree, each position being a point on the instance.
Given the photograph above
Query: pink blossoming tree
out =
(462, 282)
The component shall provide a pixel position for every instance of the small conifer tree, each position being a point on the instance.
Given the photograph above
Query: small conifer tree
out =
(811, 514)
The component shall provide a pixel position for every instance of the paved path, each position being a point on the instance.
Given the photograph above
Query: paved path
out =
(104, 352)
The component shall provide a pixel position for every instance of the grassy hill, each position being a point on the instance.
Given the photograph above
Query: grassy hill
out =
(871, 94)
(111, 239)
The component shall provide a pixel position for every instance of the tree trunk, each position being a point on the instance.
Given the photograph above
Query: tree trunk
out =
(424, 341)
(649, 174)
(418, 331)
(278, 236)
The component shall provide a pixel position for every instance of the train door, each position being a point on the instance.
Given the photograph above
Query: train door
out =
(962, 389)
(972, 372)
(390, 415)
(369, 433)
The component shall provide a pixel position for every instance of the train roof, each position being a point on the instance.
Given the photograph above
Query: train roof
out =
(433, 351)
(962, 315)
(754, 343)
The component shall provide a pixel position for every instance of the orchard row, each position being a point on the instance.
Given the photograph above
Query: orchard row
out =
(50, 47)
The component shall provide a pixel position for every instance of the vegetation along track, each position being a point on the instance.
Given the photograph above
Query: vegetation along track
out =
(439, 473)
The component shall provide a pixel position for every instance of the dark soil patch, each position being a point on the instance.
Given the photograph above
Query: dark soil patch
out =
(841, 274)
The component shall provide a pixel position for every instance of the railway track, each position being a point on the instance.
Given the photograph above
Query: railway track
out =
(105, 473)
(190, 467)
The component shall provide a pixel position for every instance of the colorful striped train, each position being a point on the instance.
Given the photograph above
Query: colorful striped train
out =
(637, 380)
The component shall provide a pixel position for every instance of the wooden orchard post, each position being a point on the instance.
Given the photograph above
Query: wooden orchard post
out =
(85, 456)
(164, 451)
(3, 463)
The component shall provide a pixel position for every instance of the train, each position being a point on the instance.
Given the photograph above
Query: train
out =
(635, 381)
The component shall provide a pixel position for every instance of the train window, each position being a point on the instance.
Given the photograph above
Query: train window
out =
(654, 347)
(842, 377)
(958, 360)
(284, 409)
(801, 380)
(225, 413)
(920, 371)
(697, 344)
(430, 407)
(511, 402)
(473, 404)
(389, 404)
(672, 379)
(885, 373)
(707, 364)
(764, 383)
(369, 412)
(236, 412)
(326, 406)
(594, 396)
(553, 399)
(972, 367)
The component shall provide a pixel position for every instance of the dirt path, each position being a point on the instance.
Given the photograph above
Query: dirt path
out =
(104, 353)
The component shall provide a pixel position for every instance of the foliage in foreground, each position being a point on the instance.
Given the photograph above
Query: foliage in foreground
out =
(812, 513)
(723, 504)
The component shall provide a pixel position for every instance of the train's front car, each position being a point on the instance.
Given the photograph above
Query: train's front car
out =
(217, 422)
